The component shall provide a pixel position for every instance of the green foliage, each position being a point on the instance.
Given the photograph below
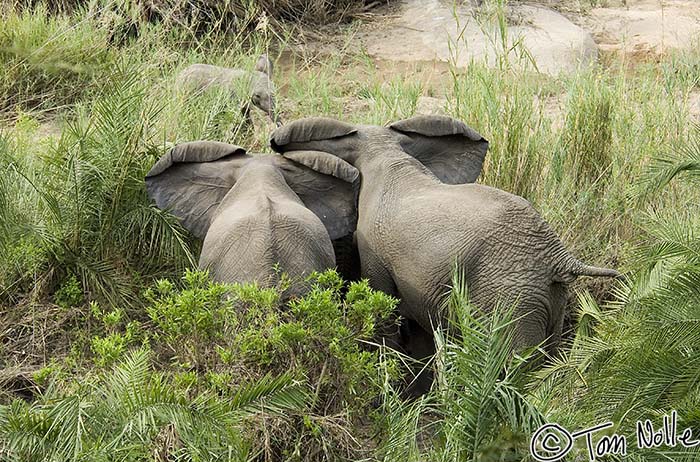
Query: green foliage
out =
(206, 371)
(208, 337)
(132, 412)
(70, 293)
(48, 61)
(664, 168)
(82, 200)
(507, 111)
(587, 137)
(194, 311)
(638, 359)
(480, 408)
(43, 375)
(486, 414)
(206, 324)
(192, 321)
(110, 348)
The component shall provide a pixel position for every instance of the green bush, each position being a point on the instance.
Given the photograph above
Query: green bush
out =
(204, 324)
(132, 412)
(211, 337)
(70, 293)
(211, 343)
(80, 206)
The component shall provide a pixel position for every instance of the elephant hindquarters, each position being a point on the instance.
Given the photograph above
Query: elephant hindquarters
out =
(259, 247)
(539, 317)
(558, 298)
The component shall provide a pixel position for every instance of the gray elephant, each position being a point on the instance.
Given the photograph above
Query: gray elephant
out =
(259, 215)
(258, 83)
(418, 218)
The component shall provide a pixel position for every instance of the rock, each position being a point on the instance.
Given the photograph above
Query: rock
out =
(427, 105)
(646, 29)
(435, 30)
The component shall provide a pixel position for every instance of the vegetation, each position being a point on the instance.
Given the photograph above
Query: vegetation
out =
(114, 348)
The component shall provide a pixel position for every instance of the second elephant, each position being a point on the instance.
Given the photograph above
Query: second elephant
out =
(259, 215)
(257, 84)
(418, 218)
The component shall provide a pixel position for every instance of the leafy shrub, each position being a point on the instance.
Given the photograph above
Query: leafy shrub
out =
(213, 334)
(137, 413)
(70, 293)
(81, 200)
(191, 321)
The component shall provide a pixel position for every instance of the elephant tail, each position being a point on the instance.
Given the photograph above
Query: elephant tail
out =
(574, 268)
(588, 270)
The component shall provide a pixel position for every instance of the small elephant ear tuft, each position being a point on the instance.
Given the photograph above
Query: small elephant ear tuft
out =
(264, 65)
(292, 136)
(453, 151)
(191, 179)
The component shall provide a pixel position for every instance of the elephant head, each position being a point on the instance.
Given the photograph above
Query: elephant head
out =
(256, 211)
(263, 89)
(449, 149)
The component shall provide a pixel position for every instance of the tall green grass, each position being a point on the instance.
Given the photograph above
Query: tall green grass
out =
(49, 61)
(608, 156)
(79, 202)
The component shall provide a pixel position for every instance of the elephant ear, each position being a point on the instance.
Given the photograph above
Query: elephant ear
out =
(453, 151)
(191, 179)
(264, 65)
(327, 185)
(310, 133)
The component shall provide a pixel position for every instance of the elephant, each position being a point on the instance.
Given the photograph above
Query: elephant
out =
(420, 214)
(258, 215)
(259, 83)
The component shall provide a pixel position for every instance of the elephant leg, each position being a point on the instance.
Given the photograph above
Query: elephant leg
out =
(542, 320)
(371, 268)
(380, 279)
(245, 112)
(378, 276)
(532, 325)
(408, 337)
(347, 258)
(419, 345)
(558, 299)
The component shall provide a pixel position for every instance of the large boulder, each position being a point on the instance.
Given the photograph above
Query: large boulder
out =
(645, 30)
(436, 30)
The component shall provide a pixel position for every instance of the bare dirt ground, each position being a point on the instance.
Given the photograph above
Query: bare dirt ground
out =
(423, 38)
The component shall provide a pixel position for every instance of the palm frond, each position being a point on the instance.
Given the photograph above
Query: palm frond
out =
(270, 394)
(665, 168)
(482, 384)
